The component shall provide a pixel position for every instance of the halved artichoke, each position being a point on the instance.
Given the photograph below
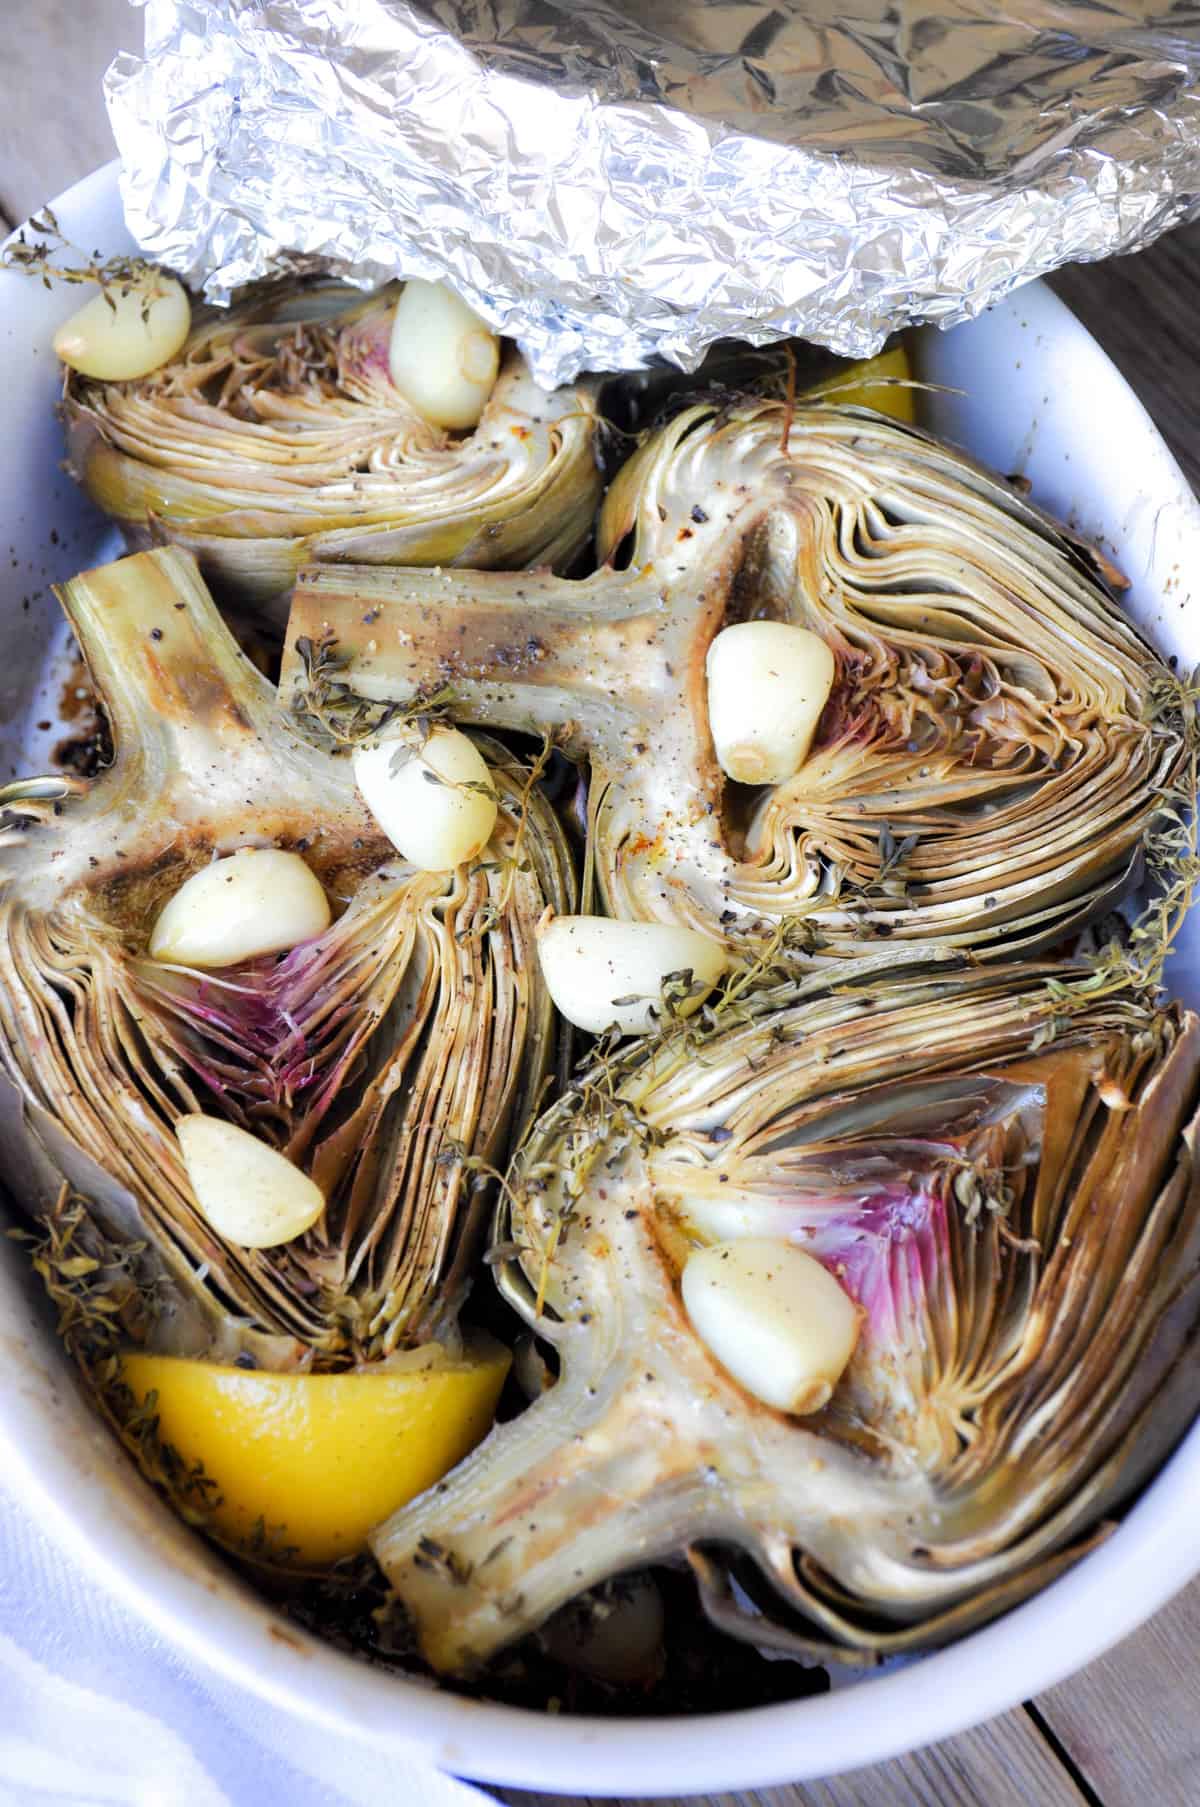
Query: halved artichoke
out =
(998, 1166)
(411, 1035)
(995, 748)
(277, 435)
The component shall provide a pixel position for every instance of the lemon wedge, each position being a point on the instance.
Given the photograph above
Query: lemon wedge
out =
(312, 1463)
(858, 385)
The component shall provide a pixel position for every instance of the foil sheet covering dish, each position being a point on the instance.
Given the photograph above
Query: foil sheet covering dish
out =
(616, 183)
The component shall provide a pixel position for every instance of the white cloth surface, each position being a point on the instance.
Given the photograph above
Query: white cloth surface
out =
(96, 1708)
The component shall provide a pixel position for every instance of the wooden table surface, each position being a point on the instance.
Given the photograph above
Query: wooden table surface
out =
(1126, 1732)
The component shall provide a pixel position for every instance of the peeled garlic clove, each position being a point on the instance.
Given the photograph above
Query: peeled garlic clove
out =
(442, 357)
(424, 798)
(250, 1193)
(774, 1317)
(259, 900)
(127, 330)
(768, 682)
(600, 971)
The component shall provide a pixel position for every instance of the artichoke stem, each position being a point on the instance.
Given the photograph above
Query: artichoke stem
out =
(620, 1463)
(160, 654)
(520, 649)
(547, 1507)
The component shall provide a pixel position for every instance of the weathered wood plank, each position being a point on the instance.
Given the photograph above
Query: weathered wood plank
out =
(1131, 1722)
(1003, 1764)
(53, 126)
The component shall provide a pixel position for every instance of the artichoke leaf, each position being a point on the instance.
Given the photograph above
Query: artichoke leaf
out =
(167, 1306)
(277, 435)
(996, 749)
(382, 1056)
(1020, 1230)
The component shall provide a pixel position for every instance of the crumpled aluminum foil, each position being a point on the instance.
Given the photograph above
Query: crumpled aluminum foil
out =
(620, 182)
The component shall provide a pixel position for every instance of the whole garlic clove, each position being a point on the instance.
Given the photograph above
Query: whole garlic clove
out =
(435, 803)
(260, 900)
(774, 1317)
(768, 682)
(442, 357)
(602, 972)
(127, 330)
(251, 1194)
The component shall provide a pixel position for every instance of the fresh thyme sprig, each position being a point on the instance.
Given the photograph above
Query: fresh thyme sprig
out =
(600, 1121)
(1173, 858)
(97, 1286)
(512, 865)
(1173, 698)
(330, 711)
(42, 257)
(104, 1301)
(193, 1492)
(1134, 961)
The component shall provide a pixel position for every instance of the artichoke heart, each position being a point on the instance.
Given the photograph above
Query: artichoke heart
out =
(276, 434)
(988, 763)
(998, 1170)
(379, 1055)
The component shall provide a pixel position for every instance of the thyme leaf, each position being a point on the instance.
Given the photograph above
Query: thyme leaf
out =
(41, 256)
(328, 711)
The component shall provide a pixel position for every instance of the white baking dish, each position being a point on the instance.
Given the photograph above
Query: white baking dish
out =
(1038, 396)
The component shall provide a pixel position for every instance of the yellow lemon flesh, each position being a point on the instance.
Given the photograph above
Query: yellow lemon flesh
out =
(316, 1461)
(858, 385)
